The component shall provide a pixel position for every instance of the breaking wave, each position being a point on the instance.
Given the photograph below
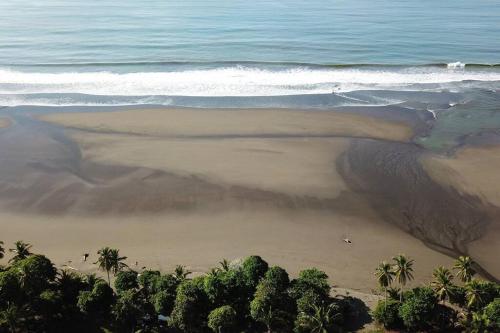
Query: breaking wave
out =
(233, 81)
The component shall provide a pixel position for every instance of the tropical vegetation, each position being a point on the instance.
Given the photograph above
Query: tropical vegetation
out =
(241, 296)
(473, 305)
(245, 295)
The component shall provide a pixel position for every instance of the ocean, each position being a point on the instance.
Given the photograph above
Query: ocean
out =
(110, 52)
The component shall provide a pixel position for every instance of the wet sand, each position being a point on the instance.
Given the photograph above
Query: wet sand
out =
(233, 123)
(473, 170)
(4, 122)
(193, 186)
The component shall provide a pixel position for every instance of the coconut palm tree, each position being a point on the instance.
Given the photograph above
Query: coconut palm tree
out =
(22, 251)
(394, 293)
(214, 272)
(403, 269)
(118, 262)
(225, 265)
(180, 273)
(442, 284)
(104, 260)
(2, 250)
(110, 261)
(91, 279)
(385, 276)
(464, 267)
(322, 319)
(473, 294)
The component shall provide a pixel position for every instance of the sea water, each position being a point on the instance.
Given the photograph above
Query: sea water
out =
(86, 52)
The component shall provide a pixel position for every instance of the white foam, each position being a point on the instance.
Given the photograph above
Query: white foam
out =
(454, 65)
(230, 81)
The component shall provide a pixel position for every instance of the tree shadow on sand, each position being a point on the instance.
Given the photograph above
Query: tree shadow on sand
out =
(358, 313)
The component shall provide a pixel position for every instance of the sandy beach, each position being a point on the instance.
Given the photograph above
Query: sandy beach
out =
(194, 186)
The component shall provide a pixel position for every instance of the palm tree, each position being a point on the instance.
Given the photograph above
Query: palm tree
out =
(385, 276)
(180, 273)
(322, 319)
(225, 265)
(394, 293)
(2, 250)
(68, 282)
(91, 280)
(403, 269)
(110, 261)
(214, 272)
(473, 294)
(464, 267)
(22, 251)
(118, 262)
(442, 284)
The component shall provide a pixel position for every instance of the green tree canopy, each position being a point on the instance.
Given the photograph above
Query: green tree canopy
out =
(310, 280)
(126, 280)
(191, 306)
(254, 268)
(36, 272)
(272, 305)
(417, 308)
(222, 319)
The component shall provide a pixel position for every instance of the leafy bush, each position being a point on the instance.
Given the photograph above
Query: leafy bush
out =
(147, 279)
(444, 319)
(492, 311)
(387, 313)
(418, 308)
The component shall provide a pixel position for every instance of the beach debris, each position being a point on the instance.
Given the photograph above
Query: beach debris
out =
(70, 267)
(347, 240)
